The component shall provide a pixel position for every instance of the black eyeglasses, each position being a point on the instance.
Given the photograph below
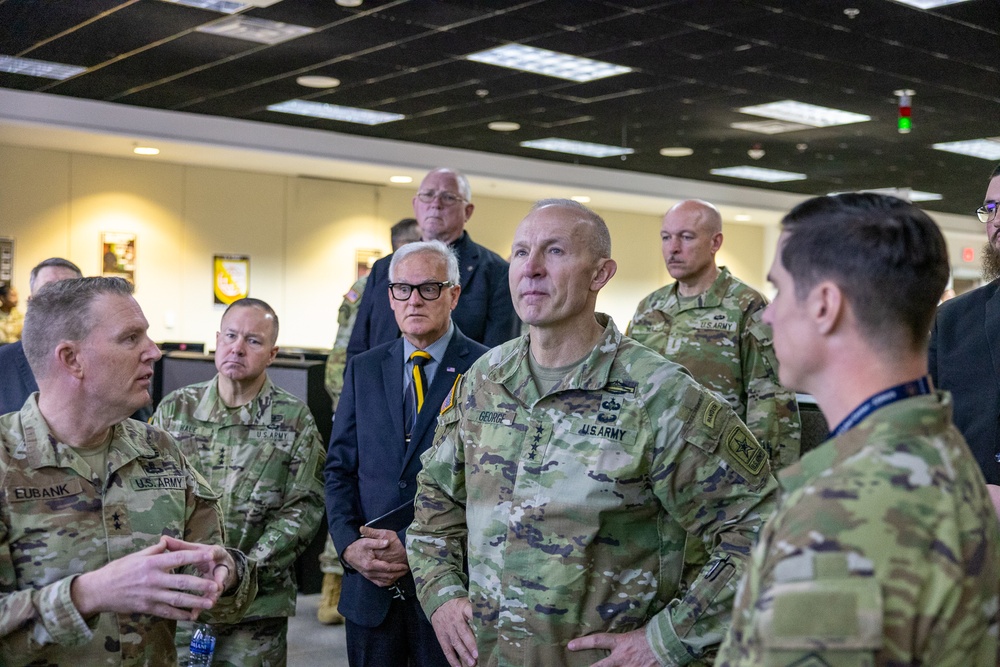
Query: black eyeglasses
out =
(447, 198)
(428, 291)
(987, 211)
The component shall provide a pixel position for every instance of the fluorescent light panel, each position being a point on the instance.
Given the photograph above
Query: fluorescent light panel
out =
(221, 6)
(759, 174)
(929, 4)
(39, 68)
(549, 63)
(906, 194)
(987, 148)
(335, 112)
(576, 147)
(768, 126)
(805, 114)
(250, 29)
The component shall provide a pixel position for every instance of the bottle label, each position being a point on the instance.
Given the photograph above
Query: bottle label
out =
(202, 645)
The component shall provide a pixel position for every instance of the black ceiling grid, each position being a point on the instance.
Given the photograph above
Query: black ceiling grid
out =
(695, 64)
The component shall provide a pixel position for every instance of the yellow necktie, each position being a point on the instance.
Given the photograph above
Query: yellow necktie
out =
(419, 358)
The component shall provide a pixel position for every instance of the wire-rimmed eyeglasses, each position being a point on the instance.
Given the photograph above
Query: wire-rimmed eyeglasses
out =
(428, 291)
(446, 198)
(987, 211)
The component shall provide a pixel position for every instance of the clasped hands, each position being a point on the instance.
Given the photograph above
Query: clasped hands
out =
(378, 556)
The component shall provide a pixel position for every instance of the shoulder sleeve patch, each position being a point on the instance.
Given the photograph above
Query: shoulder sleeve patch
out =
(352, 296)
(449, 400)
(743, 448)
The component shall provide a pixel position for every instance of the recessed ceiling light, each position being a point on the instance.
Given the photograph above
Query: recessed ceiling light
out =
(929, 4)
(900, 193)
(549, 63)
(146, 150)
(335, 112)
(768, 126)
(987, 148)
(349, 3)
(581, 199)
(315, 81)
(221, 6)
(250, 29)
(576, 147)
(676, 151)
(805, 114)
(40, 68)
(400, 179)
(504, 126)
(759, 174)
(742, 217)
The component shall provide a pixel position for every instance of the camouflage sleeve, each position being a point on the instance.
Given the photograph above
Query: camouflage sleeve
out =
(292, 526)
(436, 540)
(33, 618)
(717, 484)
(772, 411)
(203, 525)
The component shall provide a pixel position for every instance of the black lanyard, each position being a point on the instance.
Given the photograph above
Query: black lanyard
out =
(880, 400)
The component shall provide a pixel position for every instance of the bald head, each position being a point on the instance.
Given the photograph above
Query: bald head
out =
(691, 234)
(699, 213)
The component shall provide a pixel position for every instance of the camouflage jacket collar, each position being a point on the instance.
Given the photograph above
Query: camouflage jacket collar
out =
(591, 374)
(43, 450)
(910, 417)
(710, 298)
(257, 412)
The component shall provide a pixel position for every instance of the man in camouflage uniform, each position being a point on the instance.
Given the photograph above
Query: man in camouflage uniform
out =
(107, 535)
(403, 232)
(258, 445)
(709, 322)
(884, 549)
(568, 467)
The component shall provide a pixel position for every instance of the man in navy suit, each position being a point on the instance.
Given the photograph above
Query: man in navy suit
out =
(385, 421)
(965, 352)
(17, 382)
(442, 206)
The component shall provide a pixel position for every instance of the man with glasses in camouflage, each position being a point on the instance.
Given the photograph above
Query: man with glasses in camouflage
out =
(442, 207)
(964, 354)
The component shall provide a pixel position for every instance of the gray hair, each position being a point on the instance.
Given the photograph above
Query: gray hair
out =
(600, 241)
(62, 311)
(55, 262)
(438, 248)
(464, 188)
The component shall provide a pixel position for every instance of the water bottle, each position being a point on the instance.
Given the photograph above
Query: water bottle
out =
(202, 646)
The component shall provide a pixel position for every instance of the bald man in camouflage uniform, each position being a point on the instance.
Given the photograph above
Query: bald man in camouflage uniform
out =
(569, 466)
(258, 445)
(709, 322)
(884, 549)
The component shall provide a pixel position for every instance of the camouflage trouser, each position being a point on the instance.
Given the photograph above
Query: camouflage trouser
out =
(329, 562)
(260, 643)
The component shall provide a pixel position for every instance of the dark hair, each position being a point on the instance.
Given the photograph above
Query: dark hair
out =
(600, 240)
(406, 230)
(61, 311)
(52, 261)
(250, 302)
(4, 290)
(889, 258)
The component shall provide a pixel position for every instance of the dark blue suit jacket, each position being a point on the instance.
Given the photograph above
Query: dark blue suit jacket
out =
(369, 468)
(485, 311)
(965, 360)
(17, 382)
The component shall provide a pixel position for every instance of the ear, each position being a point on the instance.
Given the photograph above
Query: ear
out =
(469, 208)
(67, 357)
(274, 353)
(456, 291)
(716, 242)
(827, 307)
(605, 272)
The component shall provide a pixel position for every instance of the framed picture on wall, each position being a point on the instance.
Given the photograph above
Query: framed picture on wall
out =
(6, 260)
(364, 260)
(118, 255)
(230, 278)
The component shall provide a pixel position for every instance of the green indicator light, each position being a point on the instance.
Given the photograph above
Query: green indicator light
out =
(904, 125)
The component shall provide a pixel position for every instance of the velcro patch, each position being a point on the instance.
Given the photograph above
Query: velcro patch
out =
(711, 412)
(20, 494)
(619, 387)
(449, 400)
(160, 482)
(745, 449)
(352, 296)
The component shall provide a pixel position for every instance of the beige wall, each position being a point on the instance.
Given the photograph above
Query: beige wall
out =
(300, 233)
